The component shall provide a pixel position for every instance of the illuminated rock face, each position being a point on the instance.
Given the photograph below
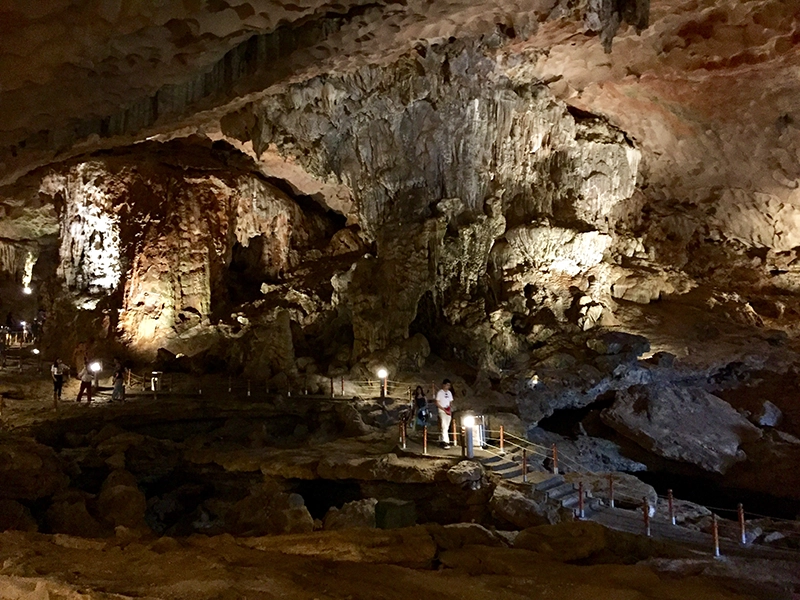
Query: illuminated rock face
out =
(154, 241)
(459, 183)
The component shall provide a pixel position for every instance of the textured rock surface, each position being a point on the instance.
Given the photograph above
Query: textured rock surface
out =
(685, 424)
(28, 470)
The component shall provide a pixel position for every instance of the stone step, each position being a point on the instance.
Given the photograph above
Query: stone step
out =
(560, 491)
(549, 484)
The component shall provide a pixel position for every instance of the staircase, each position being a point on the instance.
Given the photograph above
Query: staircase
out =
(553, 488)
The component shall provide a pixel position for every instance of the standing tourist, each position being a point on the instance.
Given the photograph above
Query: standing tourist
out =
(86, 378)
(420, 408)
(444, 402)
(57, 371)
(118, 393)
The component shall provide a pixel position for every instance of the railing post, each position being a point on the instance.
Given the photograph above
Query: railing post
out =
(715, 534)
(671, 504)
(463, 441)
(524, 465)
(401, 425)
(581, 513)
(342, 385)
(646, 516)
(502, 436)
(611, 490)
(555, 460)
(425, 440)
(742, 527)
(332, 393)
(455, 437)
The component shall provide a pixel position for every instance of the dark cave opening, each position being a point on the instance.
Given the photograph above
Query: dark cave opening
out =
(322, 494)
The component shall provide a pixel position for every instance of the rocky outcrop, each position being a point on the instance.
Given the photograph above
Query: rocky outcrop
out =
(683, 424)
(359, 513)
(28, 470)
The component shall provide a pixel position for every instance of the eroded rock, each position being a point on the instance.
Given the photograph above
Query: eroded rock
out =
(685, 424)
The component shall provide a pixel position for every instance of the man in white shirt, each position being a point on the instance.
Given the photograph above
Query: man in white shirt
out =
(444, 402)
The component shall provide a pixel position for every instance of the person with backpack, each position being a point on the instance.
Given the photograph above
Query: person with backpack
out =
(421, 412)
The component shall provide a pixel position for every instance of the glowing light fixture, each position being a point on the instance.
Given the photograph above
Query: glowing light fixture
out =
(468, 421)
(36, 351)
(383, 374)
(95, 367)
(27, 290)
(24, 324)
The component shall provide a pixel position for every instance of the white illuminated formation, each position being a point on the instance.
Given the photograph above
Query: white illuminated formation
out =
(90, 242)
(27, 272)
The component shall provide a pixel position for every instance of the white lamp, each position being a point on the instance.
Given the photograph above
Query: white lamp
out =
(382, 375)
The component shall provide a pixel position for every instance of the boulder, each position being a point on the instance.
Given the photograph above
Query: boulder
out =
(269, 511)
(465, 472)
(68, 514)
(360, 513)
(682, 423)
(770, 415)
(350, 420)
(514, 504)
(28, 470)
(14, 515)
(121, 502)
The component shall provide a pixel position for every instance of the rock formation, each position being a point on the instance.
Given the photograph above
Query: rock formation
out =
(584, 213)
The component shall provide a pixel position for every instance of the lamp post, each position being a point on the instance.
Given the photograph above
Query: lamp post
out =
(469, 426)
(383, 374)
(95, 368)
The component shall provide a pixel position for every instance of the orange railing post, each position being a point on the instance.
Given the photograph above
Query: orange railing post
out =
(524, 466)
(502, 451)
(715, 533)
(611, 490)
(742, 528)
(646, 516)
(425, 440)
(671, 505)
(455, 437)
(555, 460)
